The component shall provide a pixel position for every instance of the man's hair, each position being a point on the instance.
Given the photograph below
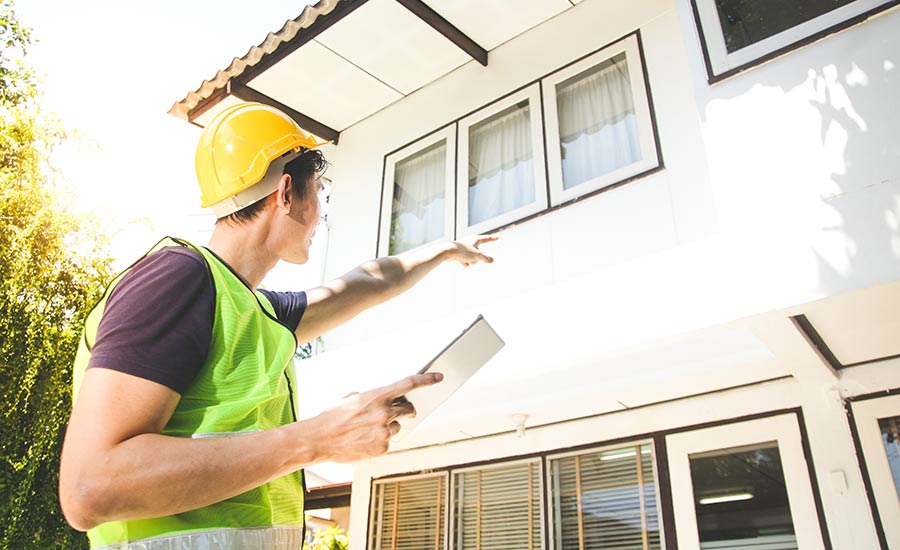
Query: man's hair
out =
(301, 169)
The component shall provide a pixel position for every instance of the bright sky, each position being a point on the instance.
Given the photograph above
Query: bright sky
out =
(112, 70)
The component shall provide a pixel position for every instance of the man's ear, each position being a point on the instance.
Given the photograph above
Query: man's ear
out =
(283, 193)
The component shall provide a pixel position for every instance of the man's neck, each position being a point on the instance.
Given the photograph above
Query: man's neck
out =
(243, 247)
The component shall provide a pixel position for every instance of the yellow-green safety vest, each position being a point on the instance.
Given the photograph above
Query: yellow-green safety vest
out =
(244, 386)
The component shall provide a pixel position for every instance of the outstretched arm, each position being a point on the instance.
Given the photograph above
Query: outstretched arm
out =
(374, 282)
(116, 465)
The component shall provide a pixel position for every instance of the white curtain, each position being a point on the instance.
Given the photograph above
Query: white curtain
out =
(597, 126)
(501, 172)
(417, 216)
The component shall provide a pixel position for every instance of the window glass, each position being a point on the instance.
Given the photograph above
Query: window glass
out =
(605, 500)
(597, 124)
(501, 164)
(741, 499)
(498, 508)
(408, 514)
(890, 437)
(417, 212)
(746, 22)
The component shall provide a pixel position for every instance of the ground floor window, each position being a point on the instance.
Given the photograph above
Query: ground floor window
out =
(740, 485)
(743, 485)
(740, 498)
(891, 439)
(877, 423)
(409, 513)
(597, 498)
(605, 499)
(498, 507)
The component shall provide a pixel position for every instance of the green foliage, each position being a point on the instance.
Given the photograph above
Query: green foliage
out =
(332, 538)
(52, 267)
(16, 77)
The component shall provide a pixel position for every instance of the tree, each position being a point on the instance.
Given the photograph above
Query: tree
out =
(53, 266)
(332, 538)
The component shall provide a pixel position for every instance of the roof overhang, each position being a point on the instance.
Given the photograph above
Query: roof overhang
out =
(340, 61)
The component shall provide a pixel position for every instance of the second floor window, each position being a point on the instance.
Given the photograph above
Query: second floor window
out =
(585, 127)
(418, 195)
(501, 167)
(599, 127)
(738, 33)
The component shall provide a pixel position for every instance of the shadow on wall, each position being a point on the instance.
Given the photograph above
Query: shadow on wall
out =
(860, 110)
(825, 160)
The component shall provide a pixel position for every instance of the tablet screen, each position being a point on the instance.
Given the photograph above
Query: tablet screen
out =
(462, 358)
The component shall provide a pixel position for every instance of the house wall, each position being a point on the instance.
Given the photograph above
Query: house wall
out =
(846, 510)
(769, 196)
(780, 186)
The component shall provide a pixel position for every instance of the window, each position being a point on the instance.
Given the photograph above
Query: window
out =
(417, 204)
(890, 436)
(498, 507)
(739, 32)
(877, 422)
(731, 485)
(500, 171)
(605, 500)
(602, 498)
(740, 498)
(408, 513)
(492, 168)
(599, 127)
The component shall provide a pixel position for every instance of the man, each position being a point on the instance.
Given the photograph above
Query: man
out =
(183, 432)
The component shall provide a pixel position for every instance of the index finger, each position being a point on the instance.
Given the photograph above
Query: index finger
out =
(408, 384)
(481, 239)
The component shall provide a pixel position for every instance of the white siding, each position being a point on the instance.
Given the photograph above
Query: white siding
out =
(780, 186)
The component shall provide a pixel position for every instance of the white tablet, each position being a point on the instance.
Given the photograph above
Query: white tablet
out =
(462, 358)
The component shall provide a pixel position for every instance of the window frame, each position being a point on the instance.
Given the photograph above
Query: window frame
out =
(720, 64)
(784, 430)
(445, 535)
(630, 46)
(451, 514)
(530, 93)
(866, 415)
(391, 160)
(551, 497)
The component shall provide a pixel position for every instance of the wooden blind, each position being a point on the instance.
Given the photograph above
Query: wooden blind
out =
(498, 508)
(408, 514)
(605, 500)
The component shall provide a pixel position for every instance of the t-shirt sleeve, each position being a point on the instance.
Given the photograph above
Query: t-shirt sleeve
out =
(157, 323)
(289, 306)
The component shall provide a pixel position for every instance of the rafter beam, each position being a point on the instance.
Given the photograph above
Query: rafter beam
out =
(424, 12)
(246, 93)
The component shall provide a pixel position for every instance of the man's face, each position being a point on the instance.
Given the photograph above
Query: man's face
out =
(305, 215)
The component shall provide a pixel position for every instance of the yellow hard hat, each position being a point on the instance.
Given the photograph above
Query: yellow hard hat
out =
(236, 149)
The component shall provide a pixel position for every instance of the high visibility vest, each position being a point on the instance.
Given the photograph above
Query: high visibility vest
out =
(244, 386)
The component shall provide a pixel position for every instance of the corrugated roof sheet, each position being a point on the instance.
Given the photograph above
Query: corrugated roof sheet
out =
(273, 41)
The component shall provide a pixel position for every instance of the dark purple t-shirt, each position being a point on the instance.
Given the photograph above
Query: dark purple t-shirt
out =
(158, 321)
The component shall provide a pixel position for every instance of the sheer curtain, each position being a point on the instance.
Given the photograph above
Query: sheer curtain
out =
(597, 126)
(501, 166)
(417, 216)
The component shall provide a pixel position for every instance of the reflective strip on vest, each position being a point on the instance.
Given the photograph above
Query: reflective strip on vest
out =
(256, 538)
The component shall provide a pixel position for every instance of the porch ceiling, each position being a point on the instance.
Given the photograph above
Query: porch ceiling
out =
(341, 61)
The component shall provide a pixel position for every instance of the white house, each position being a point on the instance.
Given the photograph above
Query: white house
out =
(697, 277)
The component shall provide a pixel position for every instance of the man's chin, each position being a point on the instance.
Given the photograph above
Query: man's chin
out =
(299, 259)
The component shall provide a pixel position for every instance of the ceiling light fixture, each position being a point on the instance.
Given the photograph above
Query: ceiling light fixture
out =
(733, 497)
